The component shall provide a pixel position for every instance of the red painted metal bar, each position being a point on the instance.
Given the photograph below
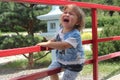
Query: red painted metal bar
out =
(95, 44)
(87, 42)
(109, 56)
(89, 61)
(17, 51)
(23, 50)
(104, 57)
(94, 41)
(64, 2)
(37, 75)
(114, 38)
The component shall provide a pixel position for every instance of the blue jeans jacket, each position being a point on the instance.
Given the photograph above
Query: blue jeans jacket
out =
(74, 55)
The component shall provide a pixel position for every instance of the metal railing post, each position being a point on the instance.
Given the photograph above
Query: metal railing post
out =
(95, 44)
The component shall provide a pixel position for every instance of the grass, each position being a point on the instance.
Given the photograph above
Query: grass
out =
(18, 64)
(23, 63)
(43, 62)
(109, 67)
(105, 70)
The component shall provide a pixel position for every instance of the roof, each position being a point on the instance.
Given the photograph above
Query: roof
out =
(53, 14)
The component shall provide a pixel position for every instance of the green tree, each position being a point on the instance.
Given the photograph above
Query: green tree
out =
(14, 15)
(105, 2)
(18, 16)
(110, 46)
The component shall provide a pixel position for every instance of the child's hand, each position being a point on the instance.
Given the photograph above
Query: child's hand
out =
(52, 40)
(38, 44)
(44, 44)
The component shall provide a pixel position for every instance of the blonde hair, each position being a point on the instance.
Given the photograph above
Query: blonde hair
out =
(79, 12)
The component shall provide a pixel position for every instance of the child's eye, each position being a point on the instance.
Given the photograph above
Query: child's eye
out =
(65, 12)
(70, 13)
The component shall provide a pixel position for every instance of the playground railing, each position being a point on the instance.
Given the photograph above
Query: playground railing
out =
(94, 41)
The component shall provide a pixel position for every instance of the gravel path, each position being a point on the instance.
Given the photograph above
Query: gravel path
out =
(7, 74)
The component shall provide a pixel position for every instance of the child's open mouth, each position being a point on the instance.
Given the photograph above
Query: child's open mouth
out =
(66, 20)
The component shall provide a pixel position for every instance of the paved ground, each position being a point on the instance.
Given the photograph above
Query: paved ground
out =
(116, 77)
(4, 60)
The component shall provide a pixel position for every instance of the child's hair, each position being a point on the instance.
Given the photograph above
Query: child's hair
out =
(79, 12)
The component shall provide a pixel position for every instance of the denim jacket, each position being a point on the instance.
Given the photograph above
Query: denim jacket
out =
(74, 55)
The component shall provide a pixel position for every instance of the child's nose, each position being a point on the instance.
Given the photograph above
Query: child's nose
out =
(67, 14)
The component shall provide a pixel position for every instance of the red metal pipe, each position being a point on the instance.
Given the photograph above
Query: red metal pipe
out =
(109, 56)
(94, 40)
(17, 51)
(95, 44)
(37, 75)
(114, 38)
(23, 50)
(64, 2)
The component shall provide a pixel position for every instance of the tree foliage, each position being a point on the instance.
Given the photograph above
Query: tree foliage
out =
(111, 46)
(104, 2)
(14, 15)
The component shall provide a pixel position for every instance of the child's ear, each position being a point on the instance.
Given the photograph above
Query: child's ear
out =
(77, 23)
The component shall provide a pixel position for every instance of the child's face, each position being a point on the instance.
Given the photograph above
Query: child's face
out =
(69, 18)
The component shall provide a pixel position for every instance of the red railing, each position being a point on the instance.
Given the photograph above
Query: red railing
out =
(95, 40)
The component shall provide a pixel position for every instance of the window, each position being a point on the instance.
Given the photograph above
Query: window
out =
(52, 25)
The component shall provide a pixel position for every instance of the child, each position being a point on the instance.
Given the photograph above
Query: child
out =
(68, 44)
